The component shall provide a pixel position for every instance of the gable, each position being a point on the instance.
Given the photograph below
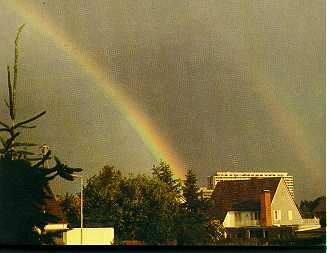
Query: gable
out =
(284, 202)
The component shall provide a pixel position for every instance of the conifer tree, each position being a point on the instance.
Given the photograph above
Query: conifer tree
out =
(24, 180)
(191, 191)
(164, 173)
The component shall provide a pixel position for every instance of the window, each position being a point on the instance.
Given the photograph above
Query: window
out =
(290, 215)
(277, 214)
(255, 216)
(238, 216)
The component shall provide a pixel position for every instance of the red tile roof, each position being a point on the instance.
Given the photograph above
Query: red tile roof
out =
(237, 195)
(52, 207)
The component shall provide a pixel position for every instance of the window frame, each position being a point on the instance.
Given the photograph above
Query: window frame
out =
(277, 215)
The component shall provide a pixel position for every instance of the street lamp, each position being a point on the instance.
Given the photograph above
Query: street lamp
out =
(81, 189)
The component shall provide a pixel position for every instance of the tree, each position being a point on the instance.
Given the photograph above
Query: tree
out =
(194, 217)
(216, 231)
(164, 173)
(24, 185)
(149, 209)
(100, 197)
(191, 192)
(308, 209)
(307, 206)
(138, 207)
(71, 207)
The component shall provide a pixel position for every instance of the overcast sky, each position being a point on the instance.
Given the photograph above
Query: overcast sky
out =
(232, 85)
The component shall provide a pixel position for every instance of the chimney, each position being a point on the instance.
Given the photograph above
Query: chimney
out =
(265, 210)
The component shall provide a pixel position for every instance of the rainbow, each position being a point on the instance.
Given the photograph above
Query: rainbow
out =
(262, 87)
(290, 125)
(288, 122)
(282, 118)
(130, 110)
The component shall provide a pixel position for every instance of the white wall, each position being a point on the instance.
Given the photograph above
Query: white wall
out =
(89, 236)
(284, 203)
(236, 219)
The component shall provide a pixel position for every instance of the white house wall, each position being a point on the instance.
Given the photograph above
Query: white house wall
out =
(89, 236)
(283, 202)
(236, 219)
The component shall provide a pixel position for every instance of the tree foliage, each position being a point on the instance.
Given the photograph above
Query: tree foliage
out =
(307, 206)
(24, 177)
(164, 173)
(194, 219)
(191, 192)
(216, 231)
(100, 195)
(148, 209)
(10, 145)
(22, 198)
(71, 207)
(139, 208)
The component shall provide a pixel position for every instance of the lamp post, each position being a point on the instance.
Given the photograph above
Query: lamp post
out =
(81, 189)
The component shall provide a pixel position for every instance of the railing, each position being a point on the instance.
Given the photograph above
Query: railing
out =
(313, 221)
(247, 223)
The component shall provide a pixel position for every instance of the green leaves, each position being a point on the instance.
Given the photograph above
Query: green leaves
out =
(139, 207)
(64, 171)
(191, 192)
(70, 205)
(148, 209)
(216, 231)
(164, 173)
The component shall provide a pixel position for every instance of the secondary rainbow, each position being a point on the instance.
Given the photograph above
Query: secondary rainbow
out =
(262, 84)
(138, 120)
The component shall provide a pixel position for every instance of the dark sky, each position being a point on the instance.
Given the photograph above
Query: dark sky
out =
(231, 85)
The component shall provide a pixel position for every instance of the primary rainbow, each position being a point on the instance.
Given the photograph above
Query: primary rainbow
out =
(142, 124)
(262, 84)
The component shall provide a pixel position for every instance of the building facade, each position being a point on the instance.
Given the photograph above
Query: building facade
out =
(264, 202)
(228, 176)
(205, 192)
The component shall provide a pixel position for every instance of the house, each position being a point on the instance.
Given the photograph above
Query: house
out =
(52, 207)
(59, 226)
(89, 236)
(205, 192)
(238, 175)
(255, 208)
